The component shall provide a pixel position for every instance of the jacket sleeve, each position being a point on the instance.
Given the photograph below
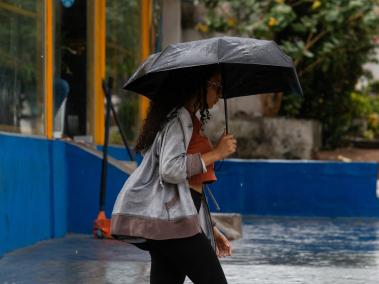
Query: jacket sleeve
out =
(176, 165)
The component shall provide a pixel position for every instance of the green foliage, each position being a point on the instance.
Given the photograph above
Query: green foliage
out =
(291, 105)
(362, 105)
(366, 107)
(329, 40)
(374, 86)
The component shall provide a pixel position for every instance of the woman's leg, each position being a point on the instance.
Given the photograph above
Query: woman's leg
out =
(163, 271)
(193, 256)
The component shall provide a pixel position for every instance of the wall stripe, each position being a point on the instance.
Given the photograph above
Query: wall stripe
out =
(48, 67)
(96, 68)
(146, 19)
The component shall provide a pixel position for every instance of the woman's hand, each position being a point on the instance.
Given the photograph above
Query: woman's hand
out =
(226, 145)
(223, 246)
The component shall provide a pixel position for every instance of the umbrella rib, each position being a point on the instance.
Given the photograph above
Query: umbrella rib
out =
(218, 50)
(282, 54)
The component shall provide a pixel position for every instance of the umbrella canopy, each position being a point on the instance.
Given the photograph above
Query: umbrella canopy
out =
(249, 66)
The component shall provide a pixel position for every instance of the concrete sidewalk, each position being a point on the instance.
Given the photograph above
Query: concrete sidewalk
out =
(272, 251)
(76, 259)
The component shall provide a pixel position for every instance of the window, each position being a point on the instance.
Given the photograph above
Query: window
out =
(123, 44)
(21, 66)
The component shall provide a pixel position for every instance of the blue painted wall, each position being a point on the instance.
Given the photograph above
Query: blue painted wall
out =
(32, 197)
(84, 190)
(49, 188)
(297, 188)
(58, 187)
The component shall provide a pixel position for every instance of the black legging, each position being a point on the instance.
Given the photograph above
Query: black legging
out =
(173, 259)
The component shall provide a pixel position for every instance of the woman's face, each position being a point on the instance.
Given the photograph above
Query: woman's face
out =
(214, 90)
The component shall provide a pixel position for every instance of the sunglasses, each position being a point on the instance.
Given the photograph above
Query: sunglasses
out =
(217, 86)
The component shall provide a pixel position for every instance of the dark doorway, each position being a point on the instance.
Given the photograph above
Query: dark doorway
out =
(71, 65)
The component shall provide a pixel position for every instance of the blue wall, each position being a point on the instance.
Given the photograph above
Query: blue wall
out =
(49, 188)
(297, 188)
(32, 191)
(84, 190)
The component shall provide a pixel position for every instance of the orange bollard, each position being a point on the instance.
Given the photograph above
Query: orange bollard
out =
(102, 227)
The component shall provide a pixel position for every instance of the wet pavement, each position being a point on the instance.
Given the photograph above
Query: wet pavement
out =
(272, 250)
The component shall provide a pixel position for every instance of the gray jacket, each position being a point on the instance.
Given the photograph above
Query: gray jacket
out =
(155, 201)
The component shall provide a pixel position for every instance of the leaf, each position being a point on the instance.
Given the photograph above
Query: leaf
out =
(332, 16)
(355, 4)
(308, 54)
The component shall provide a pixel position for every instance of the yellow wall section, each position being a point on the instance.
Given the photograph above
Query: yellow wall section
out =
(100, 69)
(146, 18)
(48, 67)
(96, 68)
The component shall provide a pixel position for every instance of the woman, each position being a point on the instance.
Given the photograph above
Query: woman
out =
(162, 206)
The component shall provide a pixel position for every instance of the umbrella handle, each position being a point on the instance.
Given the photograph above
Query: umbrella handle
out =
(226, 115)
(226, 128)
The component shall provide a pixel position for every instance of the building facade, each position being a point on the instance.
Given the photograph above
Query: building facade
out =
(54, 55)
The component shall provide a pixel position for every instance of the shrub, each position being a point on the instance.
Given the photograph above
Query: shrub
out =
(329, 40)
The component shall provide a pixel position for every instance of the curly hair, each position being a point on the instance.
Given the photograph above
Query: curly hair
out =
(177, 92)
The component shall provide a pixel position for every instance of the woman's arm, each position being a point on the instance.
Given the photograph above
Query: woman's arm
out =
(226, 146)
(223, 246)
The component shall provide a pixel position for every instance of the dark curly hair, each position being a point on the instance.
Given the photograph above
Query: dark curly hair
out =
(180, 87)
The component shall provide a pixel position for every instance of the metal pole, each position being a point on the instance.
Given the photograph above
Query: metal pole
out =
(226, 115)
(225, 110)
(225, 99)
(107, 91)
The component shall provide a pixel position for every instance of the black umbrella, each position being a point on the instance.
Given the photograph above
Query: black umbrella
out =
(248, 66)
